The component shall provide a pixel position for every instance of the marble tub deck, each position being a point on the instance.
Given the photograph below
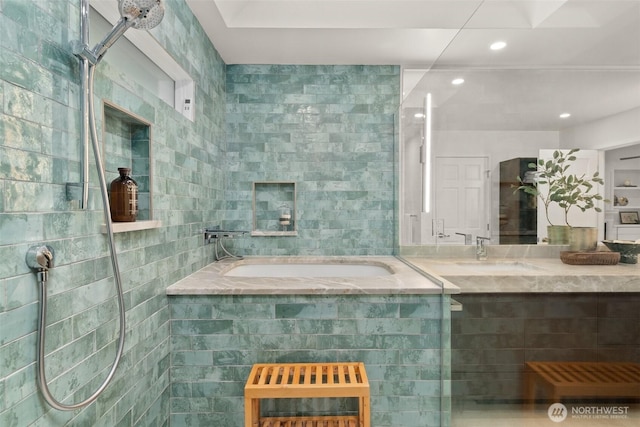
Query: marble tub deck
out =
(211, 280)
(529, 275)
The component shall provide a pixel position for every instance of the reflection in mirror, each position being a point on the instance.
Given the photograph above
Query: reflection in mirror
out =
(462, 151)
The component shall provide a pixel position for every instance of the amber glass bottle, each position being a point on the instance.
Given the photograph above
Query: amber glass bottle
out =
(123, 197)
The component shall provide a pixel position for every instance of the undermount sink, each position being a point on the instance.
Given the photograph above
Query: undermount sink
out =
(483, 267)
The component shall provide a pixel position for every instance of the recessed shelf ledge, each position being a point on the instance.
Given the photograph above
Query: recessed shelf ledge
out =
(123, 227)
(273, 233)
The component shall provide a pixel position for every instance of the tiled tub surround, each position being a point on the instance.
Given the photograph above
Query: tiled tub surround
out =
(219, 331)
(211, 280)
(216, 339)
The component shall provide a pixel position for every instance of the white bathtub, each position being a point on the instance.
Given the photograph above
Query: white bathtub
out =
(308, 270)
(308, 275)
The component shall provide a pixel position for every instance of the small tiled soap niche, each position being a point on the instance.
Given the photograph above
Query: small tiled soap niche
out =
(126, 142)
(274, 209)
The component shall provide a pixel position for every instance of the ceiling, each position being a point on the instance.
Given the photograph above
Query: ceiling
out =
(419, 33)
(580, 56)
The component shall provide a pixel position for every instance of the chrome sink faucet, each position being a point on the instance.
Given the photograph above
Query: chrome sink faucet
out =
(481, 247)
(467, 238)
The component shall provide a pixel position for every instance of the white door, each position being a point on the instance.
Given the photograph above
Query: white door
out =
(461, 198)
(587, 162)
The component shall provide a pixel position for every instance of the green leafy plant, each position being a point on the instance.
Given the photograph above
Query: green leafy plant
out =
(566, 190)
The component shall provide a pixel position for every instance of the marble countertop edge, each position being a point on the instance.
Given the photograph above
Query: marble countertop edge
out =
(405, 280)
(531, 275)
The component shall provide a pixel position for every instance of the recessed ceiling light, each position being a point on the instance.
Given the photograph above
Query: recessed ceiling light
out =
(498, 45)
(457, 81)
(565, 115)
(418, 115)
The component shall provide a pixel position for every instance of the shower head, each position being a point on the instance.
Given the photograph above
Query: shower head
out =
(144, 14)
(140, 14)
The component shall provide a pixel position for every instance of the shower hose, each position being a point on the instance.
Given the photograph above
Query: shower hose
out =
(42, 278)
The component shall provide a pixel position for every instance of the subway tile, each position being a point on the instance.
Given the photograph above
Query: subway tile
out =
(266, 326)
(185, 358)
(301, 311)
(20, 134)
(24, 166)
(20, 228)
(18, 322)
(23, 104)
(318, 341)
(326, 103)
(201, 327)
(26, 412)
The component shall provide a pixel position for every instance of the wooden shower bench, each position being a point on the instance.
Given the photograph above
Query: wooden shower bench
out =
(582, 379)
(307, 380)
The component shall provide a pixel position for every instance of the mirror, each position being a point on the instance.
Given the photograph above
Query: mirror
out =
(581, 58)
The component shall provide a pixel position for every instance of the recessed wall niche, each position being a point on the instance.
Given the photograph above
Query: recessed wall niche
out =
(274, 209)
(126, 142)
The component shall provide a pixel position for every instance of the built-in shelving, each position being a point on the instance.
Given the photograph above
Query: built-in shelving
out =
(626, 198)
(126, 142)
(269, 201)
(626, 193)
(123, 227)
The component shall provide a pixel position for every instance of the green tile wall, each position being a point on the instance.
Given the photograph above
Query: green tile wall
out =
(331, 130)
(216, 339)
(39, 152)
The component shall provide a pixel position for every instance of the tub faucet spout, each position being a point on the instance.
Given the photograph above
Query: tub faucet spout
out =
(481, 247)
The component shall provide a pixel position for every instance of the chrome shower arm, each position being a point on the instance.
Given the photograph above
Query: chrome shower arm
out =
(95, 55)
(140, 14)
(118, 30)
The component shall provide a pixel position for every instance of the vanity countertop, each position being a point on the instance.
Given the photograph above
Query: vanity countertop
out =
(211, 280)
(530, 275)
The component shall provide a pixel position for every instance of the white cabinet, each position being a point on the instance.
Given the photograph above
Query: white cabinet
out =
(627, 232)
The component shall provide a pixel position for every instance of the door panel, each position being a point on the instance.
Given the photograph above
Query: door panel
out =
(461, 197)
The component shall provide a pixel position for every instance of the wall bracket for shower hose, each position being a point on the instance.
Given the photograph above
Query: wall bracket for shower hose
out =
(40, 258)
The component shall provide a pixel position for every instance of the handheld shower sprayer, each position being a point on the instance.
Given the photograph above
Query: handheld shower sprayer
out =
(140, 14)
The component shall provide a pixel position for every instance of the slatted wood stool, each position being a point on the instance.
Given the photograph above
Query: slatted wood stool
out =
(582, 379)
(307, 380)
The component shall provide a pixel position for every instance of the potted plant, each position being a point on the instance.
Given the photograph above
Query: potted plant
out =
(554, 185)
(546, 187)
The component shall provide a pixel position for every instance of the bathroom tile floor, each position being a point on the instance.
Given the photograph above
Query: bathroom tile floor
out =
(495, 415)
